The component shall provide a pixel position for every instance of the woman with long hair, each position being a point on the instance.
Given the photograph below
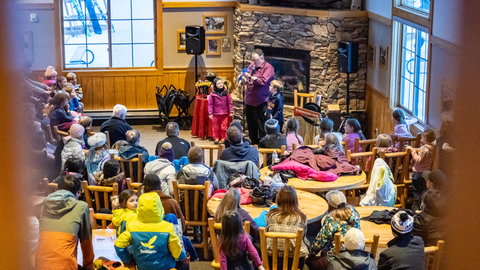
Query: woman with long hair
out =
(287, 218)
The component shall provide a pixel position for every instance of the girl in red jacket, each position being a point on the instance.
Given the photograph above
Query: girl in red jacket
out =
(220, 107)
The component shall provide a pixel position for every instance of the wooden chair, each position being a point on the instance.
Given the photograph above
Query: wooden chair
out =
(414, 142)
(360, 159)
(135, 186)
(310, 97)
(212, 226)
(108, 139)
(89, 131)
(49, 187)
(103, 217)
(265, 151)
(58, 135)
(132, 175)
(367, 145)
(286, 237)
(399, 163)
(195, 221)
(436, 253)
(49, 136)
(211, 148)
(99, 190)
(373, 243)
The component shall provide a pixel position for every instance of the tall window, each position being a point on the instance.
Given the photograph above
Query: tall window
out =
(413, 80)
(108, 33)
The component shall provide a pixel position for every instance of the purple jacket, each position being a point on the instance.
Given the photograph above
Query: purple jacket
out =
(244, 243)
(220, 104)
(257, 90)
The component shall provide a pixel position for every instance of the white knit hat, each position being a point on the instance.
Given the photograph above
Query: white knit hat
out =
(354, 239)
(335, 198)
(97, 140)
(50, 71)
(76, 130)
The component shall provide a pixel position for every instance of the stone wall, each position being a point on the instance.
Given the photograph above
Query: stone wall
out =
(318, 35)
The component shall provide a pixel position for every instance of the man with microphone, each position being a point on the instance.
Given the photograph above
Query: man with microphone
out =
(257, 78)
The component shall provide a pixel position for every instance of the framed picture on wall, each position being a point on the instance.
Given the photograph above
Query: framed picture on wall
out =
(446, 102)
(213, 45)
(383, 57)
(181, 40)
(371, 55)
(215, 24)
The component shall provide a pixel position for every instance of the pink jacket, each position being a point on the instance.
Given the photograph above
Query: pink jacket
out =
(220, 104)
(304, 172)
(244, 243)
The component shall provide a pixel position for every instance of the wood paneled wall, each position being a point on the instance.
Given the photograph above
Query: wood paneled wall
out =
(102, 91)
(379, 113)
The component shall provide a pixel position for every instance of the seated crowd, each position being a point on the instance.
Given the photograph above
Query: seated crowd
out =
(150, 226)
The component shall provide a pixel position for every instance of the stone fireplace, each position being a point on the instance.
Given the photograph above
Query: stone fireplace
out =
(319, 35)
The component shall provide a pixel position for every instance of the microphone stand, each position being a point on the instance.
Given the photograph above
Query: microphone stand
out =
(243, 99)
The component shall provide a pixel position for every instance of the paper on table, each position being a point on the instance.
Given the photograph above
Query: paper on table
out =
(103, 246)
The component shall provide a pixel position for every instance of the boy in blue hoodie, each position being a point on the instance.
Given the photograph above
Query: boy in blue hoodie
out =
(152, 239)
(275, 102)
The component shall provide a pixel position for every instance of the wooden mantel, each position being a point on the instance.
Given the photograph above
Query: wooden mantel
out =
(304, 12)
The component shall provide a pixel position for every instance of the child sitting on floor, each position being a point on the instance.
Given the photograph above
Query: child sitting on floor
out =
(235, 245)
(423, 158)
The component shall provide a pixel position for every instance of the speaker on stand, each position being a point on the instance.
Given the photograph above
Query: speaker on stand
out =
(347, 63)
(195, 42)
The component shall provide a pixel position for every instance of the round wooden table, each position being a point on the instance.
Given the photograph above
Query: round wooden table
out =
(312, 205)
(369, 228)
(342, 183)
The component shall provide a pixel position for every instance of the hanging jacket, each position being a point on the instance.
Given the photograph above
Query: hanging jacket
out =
(94, 162)
(152, 239)
(220, 103)
(131, 151)
(121, 217)
(275, 107)
(197, 174)
(223, 170)
(73, 148)
(165, 171)
(381, 190)
(63, 222)
(179, 163)
(353, 260)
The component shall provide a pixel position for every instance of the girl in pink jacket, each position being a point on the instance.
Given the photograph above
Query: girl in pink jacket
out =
(220, 107)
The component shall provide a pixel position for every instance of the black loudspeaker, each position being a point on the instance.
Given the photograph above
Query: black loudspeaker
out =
(347, 57)
(195, 36)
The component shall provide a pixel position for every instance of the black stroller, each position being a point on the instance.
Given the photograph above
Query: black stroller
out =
(172, 97)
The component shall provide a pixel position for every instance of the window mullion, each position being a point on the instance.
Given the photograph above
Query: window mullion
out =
(109, 26)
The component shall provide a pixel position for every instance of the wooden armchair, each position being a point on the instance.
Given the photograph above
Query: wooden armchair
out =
(265, 151)
(399, 164)
(49, 135)
(310, 97)
(413, 141)
(360, 159)
(49, 187)
(286, 237)
(213, 227)
(124, 163)
(373, 243)
(98, 191)
(195, 221)
(436, 253)
(137, 187)
(211, 148)
(59, 135)
(103, 217)
(367, 145)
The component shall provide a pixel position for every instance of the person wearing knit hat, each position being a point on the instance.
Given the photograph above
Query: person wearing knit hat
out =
(405, 251)
(166, 152)
(354, 257)
(273, 139)
(96, 156)
(73, 144)
(336, 199)
(50, 77)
